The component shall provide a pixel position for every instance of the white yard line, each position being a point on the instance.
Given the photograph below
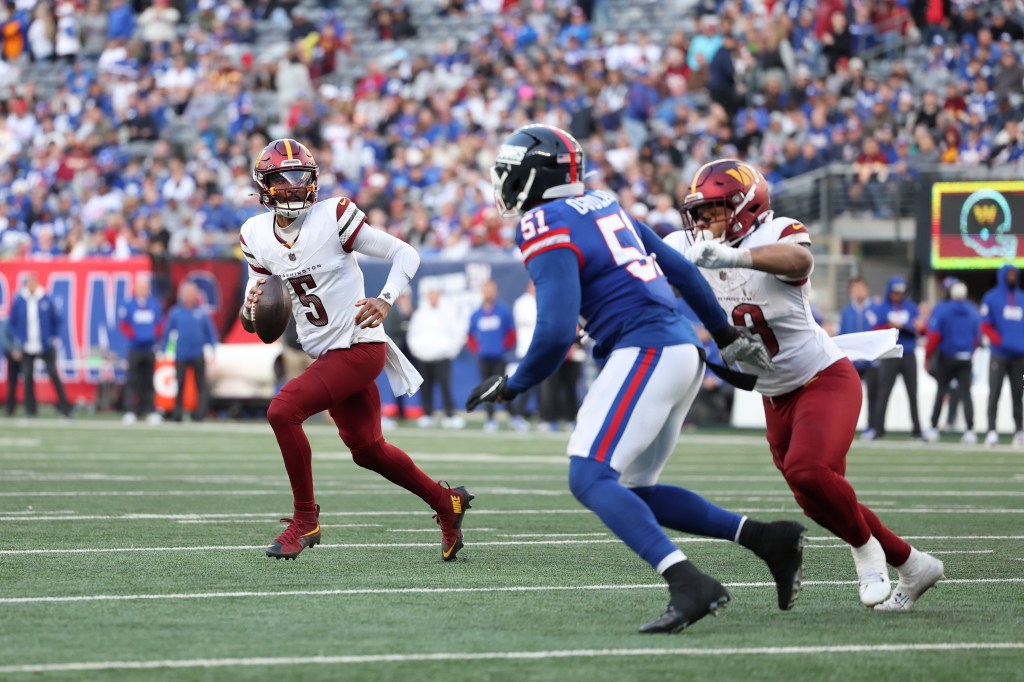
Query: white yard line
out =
(367, 659)
(437, 590)
(552, 539)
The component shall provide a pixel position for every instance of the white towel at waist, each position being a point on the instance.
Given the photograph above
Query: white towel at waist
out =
(402, 376)
(876, 345)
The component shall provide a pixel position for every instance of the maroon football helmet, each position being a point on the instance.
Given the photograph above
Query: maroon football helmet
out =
(736, 185)
(286, 174)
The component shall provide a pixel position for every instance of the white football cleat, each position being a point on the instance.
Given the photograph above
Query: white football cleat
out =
(872, 573)
(129, 418)
(425, 422)
(1018, 438)
(991, 438)
(969, 438)
(868, 434)
(931, 435)
(920, 572)
(154, 418)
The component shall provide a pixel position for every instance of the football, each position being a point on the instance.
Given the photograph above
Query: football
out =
(272, 311)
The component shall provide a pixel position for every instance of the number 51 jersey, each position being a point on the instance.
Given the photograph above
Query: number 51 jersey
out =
(777, 310)
(319, 270)
(625, 298)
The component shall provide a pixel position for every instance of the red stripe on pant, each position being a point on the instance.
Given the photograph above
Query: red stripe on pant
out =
(809, 434)
(627, 398)
(342, 382)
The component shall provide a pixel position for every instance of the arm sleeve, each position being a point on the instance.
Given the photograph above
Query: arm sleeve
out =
(686, 278)
(404, 259)
(557, 276)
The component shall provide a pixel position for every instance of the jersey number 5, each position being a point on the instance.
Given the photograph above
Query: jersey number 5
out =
(303, 285)
(637, 263)
(758, 325)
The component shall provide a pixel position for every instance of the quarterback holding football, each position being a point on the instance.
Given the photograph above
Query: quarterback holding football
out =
(310, 245)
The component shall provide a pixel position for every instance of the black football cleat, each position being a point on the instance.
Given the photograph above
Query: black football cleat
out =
(300, 534)
(783, 551)
(688, 603)
(455, 505)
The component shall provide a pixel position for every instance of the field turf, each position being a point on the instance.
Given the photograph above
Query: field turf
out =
(133, 553)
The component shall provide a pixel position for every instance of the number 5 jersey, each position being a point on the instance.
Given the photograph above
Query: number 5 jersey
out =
(776, 309)
(315, 257)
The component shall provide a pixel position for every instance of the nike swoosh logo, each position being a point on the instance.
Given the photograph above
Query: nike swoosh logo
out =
(448, 553)
(315, 530)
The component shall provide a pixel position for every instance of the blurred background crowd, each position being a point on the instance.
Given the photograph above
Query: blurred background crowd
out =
(130, 127)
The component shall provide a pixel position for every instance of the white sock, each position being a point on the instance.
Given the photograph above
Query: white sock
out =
(869, 557)
(669, 561)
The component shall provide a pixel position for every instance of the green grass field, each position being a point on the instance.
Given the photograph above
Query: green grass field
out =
(136, 553)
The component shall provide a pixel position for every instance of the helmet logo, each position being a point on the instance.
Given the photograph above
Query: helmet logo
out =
(742, 174)
(512, 154)
(290, 162)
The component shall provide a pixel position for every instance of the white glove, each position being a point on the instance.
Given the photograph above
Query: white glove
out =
(718, 255)
(749, 350)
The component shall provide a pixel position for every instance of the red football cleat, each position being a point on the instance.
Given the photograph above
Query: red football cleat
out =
(455, 504)
(300, 534)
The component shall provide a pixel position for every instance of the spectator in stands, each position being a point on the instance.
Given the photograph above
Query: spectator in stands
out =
(13, 31)
(35, 326)
(435, 338)
(140, 320)
(190, 330)
(1002, 315)
(896, 311)
(838, 42)
(158, 23)
(42, 33)
(954, 331)
(68, 39)
(120, 20)
(492, 335)
(857, 317)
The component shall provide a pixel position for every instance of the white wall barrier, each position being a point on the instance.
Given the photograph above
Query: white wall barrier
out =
(748, 412)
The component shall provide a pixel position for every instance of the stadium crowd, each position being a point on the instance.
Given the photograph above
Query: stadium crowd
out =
(130, 127)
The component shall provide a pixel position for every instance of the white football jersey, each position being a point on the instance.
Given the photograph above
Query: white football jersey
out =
(320, 272)
(778, 311)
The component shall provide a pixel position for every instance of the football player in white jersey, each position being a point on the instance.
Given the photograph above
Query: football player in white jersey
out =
(758, 265)
(310, 245)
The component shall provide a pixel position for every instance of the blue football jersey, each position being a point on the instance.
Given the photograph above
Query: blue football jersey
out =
(626, 299)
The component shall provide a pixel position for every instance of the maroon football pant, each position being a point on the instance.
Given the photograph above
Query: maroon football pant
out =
(809, 432)
(343, 382)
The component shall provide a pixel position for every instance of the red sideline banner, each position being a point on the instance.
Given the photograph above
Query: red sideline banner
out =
(88, 294)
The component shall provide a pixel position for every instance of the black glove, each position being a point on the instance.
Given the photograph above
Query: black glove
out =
(491, 390)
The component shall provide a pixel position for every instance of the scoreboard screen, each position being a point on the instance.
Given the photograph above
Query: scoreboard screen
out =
(977, 225)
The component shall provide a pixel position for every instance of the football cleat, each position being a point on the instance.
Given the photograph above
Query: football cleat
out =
(688, 603)
(872, 574)
(456, 504)
(991, 438)
(300, 534)
(784, 554)
(920, 573)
